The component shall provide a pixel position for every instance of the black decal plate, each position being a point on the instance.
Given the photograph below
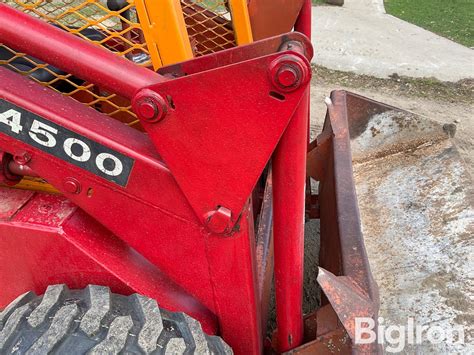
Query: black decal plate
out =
(64, 144)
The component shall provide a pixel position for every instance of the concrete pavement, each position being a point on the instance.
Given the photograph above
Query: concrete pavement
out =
(360, 37)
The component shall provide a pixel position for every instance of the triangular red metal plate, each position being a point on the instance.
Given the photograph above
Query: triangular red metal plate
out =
(221, 130)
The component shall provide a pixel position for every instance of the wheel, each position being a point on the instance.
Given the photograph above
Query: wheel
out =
(95, 321)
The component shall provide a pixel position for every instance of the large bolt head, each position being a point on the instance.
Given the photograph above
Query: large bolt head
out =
(287, 76)
(219, 220)
(150, 106)
(147, 109)
(289, 72)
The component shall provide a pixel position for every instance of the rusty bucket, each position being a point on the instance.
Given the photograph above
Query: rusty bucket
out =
(395, 203)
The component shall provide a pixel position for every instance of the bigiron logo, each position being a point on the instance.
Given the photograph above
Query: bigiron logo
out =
(64, 144)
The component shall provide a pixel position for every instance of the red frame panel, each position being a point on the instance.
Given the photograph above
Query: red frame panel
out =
(155, 223)
(192, 258)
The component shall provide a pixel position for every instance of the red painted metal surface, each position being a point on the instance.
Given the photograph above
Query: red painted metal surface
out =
(198, 141)
(12, 201)
(7, 175)
(289, 175)
(181, 228)
(241, 98)
(303, 23)
(73, 54)
(220, 273)
(170, 236)
(55, 242)
(247, 52)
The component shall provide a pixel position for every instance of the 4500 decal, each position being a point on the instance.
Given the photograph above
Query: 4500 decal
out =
(67, 145)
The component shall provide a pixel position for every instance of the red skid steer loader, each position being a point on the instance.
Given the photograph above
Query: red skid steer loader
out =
(156, 175)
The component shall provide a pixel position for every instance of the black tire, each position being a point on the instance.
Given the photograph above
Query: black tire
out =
(95, 321)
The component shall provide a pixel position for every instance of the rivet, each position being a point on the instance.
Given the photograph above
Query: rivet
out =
(72, 186)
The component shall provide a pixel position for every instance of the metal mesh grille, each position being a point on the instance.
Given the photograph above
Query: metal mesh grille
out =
(118, 31)
(209, 25)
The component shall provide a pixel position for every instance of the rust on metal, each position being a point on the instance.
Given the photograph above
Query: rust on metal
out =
(264, 249)
(335, 342)
(347, 298)
(342, 246)
(344, 273)
(408, 166)
(320, 322)
(273, 17)
(324, 334)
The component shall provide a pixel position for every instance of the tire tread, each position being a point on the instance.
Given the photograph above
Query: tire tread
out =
(95, 321)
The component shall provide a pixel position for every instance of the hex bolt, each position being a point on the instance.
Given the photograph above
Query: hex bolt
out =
(22, 158)
(150, 106)
(219, 220)
(147, 109)
(72, 186)
(287, 76)
(289, 72)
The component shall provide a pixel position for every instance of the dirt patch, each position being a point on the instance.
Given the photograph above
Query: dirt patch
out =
(429, 88)
(312, 291)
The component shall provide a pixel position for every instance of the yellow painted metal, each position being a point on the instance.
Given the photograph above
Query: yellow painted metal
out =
(165, 32)
(241, 21)
(147, 32)
(34, 184)
(118, 31)
(209, 25)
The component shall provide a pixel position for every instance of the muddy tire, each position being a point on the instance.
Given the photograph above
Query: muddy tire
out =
(95, 321)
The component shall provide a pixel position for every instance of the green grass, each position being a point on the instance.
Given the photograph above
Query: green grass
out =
(453, 19)
(316, 2)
